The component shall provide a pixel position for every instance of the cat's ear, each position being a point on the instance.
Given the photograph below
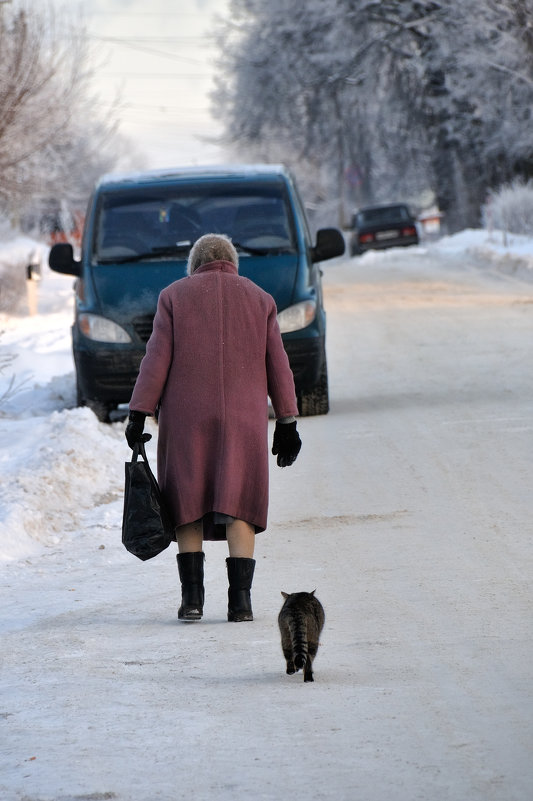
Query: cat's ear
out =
(285, 594)
(312, 593)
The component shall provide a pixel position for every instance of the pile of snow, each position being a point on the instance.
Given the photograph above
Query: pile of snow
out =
(53, 469)
(57, 460)
(19, 249)
(507, 252)
(18, 256)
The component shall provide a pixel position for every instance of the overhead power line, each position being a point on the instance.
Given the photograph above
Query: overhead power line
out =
(162, 14)
(156, 75)
(181, 39)
(151, 50)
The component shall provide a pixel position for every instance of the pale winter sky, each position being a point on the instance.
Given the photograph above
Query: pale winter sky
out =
(158, 57)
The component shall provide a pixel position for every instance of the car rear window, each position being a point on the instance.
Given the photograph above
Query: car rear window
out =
(383, 215)
(154, 221)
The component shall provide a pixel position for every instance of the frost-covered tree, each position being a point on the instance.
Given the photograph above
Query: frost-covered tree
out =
(336, 82)
(479, 117)
(510, 208)
(395, 96)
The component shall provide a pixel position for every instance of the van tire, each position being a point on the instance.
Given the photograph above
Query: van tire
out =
(316, 401)
(80, 400)
(101, 410)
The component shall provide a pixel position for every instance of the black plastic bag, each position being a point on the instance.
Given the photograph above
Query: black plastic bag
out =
(146, 526)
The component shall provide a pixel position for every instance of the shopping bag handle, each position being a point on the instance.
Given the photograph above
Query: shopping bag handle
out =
(138, 450)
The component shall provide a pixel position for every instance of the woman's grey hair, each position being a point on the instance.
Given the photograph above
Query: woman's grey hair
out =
(211, 247)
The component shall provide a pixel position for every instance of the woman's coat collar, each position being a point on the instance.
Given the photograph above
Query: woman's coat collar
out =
(217, 266)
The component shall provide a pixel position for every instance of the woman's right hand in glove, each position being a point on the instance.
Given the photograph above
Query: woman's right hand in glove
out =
(135, 428)
(287, 443)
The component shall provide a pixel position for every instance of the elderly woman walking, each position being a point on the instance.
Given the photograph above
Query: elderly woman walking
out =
(214, 356)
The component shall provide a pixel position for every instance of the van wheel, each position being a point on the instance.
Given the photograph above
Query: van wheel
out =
(101, 410)
(80, 400)
(316, 401)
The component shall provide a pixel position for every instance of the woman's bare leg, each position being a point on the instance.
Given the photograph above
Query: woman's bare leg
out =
(190, 537)
(241, 539)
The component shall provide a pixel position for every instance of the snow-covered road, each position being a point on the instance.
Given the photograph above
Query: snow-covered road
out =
(409, 509)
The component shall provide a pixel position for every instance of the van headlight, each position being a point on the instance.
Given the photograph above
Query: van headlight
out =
(101, 329)
(298, 316)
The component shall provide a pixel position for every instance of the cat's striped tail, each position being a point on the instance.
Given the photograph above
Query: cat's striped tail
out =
(300, 649)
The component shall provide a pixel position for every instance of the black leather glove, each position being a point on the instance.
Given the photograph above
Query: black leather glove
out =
(287, 443)
(135, 427)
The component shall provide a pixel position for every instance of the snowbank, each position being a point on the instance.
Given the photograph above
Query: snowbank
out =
(16, 249)
(55, 460)
(507, 252)
(56, 467)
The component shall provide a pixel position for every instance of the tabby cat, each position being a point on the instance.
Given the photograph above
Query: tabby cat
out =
(300, 620)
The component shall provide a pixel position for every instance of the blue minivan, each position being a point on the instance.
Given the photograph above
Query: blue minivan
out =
(138, 232)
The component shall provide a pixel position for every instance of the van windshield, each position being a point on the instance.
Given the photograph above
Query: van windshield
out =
(164, 221)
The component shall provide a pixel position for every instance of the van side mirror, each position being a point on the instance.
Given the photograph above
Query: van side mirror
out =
(61, 259)
(329, 243)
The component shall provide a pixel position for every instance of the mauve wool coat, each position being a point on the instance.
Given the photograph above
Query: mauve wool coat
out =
(214, 356)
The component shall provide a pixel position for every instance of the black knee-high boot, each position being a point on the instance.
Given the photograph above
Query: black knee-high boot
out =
(240, 576)
(191, 570)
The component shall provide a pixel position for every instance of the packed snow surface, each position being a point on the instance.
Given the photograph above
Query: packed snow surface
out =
(409, 510)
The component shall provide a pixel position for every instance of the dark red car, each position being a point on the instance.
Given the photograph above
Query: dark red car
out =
(378, 227)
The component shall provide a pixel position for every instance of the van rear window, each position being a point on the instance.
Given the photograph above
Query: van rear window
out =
(164, 221)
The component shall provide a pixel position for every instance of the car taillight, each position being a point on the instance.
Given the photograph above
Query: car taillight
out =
(409, 231)
(365, 238)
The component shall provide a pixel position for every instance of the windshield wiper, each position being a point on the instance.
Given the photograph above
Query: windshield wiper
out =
(168, 250)
(162, 250)
(262, 251)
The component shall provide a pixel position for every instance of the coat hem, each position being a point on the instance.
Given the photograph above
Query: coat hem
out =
(216, 532)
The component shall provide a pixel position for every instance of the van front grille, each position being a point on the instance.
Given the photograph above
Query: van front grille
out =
(143, 327)
(117, 382)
